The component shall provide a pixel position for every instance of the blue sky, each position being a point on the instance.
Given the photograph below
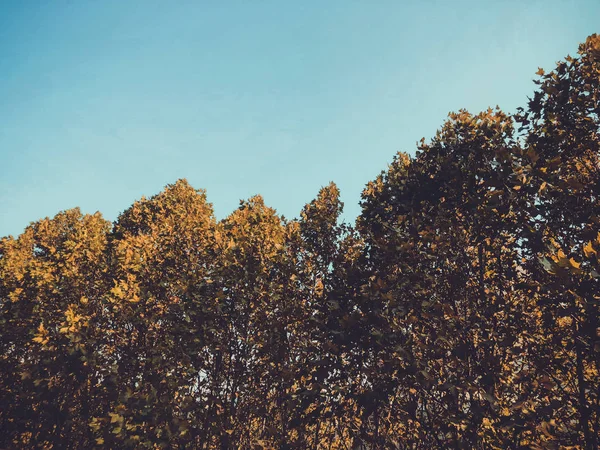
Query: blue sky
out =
(105, 101)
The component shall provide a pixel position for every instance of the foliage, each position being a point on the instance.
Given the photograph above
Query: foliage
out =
(461, 311)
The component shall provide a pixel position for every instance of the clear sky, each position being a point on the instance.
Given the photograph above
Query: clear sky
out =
(102, 102)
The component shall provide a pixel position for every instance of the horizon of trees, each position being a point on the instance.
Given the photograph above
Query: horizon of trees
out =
(460, 311)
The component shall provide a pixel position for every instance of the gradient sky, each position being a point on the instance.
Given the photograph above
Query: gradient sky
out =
(102, 102)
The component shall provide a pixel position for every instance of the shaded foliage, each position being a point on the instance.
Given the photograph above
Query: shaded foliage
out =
(461, 311)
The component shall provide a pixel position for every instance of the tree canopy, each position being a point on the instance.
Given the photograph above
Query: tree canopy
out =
(460, 311)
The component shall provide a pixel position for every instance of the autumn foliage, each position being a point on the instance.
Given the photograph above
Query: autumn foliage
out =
(461, 311)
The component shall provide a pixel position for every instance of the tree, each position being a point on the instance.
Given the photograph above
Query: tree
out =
(52, 282)
(561, 182)
(460, 312)
(159, 310)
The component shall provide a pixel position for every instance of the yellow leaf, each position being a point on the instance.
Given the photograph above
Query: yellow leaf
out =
(114, 417)
(588, 250)
(117, 292)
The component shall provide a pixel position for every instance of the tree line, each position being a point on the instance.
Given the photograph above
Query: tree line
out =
(460, 311)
